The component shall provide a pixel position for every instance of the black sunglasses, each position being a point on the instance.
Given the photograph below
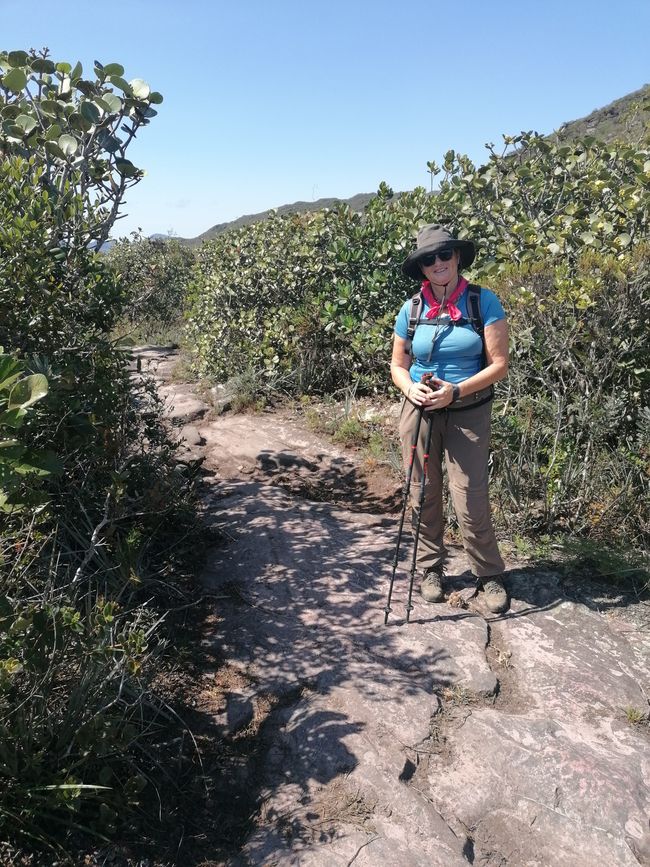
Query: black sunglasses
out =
(430, 258)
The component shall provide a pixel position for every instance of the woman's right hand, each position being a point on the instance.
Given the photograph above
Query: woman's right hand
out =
(419, 394)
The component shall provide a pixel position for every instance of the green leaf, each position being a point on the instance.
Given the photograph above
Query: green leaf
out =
(17, 58)
(109, 103)
(77, 72)
(10, 370)
(13, 419)
(27, 122)
(27, 391)
(126, 168)
(113, 69)
(119, 82)
(89, 111)
(15, 80)
(54, 150)
(64, 67)
(155, 97)
(68, 144)
(140, 88)
(43, 65)
(50, 107)
(624, 240)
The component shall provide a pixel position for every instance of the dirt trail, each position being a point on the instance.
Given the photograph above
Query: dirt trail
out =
(458, 738)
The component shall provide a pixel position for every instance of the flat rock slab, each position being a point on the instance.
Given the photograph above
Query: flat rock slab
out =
(460, 737)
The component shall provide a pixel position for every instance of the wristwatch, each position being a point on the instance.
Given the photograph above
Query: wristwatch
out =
(455, 393)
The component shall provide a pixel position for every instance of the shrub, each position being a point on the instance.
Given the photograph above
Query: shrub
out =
(153, 275)
(91, 515)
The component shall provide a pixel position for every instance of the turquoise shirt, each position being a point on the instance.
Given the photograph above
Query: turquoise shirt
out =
(451, 352)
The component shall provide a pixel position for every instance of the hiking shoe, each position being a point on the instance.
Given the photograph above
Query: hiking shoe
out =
(496, 595)
(431, 584)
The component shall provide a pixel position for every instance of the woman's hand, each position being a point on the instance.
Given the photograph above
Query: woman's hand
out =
(431, 393)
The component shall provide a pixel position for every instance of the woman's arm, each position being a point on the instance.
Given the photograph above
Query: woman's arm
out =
(496, 368)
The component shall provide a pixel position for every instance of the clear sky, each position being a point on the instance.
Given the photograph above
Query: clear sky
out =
(272, 101)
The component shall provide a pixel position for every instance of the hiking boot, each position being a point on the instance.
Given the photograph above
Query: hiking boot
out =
(496, 595)
(431, 584)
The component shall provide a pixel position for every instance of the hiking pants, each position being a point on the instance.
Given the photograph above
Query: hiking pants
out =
(464, 438)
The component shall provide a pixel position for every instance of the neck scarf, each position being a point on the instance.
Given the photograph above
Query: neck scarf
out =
(450, 304)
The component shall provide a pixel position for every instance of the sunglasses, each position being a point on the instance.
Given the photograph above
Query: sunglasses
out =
(430, 258)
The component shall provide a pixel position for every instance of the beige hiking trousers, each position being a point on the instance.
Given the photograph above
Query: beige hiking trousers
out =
(463, 436)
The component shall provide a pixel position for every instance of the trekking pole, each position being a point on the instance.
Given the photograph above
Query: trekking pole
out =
(416, 539)
(407, 488)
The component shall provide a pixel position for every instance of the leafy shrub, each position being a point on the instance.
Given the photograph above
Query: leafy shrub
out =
(153, 275)
(85, 551)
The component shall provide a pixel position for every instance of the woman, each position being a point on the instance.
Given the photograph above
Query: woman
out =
(448, 374)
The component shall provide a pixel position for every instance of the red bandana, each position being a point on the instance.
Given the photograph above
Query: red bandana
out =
(450, 304)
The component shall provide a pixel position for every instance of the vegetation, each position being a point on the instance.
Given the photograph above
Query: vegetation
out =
(90, 516)
(153, 274)
(307, 303)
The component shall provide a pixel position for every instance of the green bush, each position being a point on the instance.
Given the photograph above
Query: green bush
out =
(154, 275)
(93, 502)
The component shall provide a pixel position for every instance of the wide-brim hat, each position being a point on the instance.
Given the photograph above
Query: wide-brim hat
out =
(432, 238)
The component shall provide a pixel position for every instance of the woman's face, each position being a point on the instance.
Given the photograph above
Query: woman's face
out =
(442, 273)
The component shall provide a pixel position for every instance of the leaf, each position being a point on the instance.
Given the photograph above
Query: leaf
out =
(140, 88)
(77, 72)
(89, 111)
(10, 370)
(27, 391)
(68, 144)
(50, 106)
(155, 97)
(13, 419)
(119, 82)
(126, 168)
(15, 80)
(110, 103)
(43, 65)
(113, 69)
(64, 67)
(54, 150)
(624, 240)
(27, 122)
(17, 58)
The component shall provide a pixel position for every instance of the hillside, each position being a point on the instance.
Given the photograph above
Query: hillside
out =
(357, 203)
(622, 119)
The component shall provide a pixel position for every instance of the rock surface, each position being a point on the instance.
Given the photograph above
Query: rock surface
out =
(460, 737)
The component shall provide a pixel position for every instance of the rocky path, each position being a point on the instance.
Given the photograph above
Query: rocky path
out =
(457, 738)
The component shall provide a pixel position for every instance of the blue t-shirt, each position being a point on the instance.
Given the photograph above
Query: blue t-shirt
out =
(451, 352)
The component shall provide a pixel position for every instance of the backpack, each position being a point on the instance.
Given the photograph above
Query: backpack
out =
(473, 308)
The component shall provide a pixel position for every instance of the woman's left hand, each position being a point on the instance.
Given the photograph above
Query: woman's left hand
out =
(443, 393)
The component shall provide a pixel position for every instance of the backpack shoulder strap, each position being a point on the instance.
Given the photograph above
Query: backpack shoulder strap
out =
(474, 309)
(415, 311)
(475, 315)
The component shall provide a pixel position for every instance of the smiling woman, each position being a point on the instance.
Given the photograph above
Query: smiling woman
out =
(445, 361)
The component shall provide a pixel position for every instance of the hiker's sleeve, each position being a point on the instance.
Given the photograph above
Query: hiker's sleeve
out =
(402, 321)
(491, 307)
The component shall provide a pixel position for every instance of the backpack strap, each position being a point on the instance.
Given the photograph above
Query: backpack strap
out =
(475, 316)
(417, 303)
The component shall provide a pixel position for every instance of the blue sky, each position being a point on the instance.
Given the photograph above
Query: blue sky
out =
(272, 102)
